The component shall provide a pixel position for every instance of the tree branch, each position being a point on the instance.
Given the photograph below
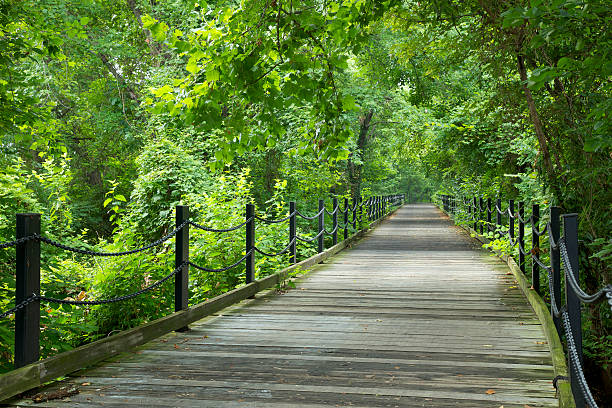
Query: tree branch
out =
(118, 77)
(132, 6)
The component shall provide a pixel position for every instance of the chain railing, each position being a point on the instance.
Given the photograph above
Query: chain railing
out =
(563, 251)
(28, 260)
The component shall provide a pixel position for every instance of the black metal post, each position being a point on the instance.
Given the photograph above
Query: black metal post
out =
(572, 302)
(498, 214)
(521, 237)
(181, 255)
(555, 263)
(250, 243)
(360, 210)
(480, 205)
(475, 213)
(535, 247)
(375, 208)
(346, 218)
(335, 221)
(27, 320)
(292, 231)
(355, 205)
(489, 214)
(511, 219)
(321, 241)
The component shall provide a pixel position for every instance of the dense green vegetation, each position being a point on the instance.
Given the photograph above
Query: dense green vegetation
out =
(114, 112)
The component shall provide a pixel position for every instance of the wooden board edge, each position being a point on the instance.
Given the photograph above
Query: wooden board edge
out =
(564, 392)
(36, 374)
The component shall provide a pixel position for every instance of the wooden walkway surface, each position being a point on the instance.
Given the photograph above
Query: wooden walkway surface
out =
(415, 315)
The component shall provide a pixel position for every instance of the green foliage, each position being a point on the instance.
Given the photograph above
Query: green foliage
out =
(167, 173)
(245, 64)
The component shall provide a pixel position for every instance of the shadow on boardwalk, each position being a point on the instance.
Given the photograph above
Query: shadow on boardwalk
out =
(415, 315)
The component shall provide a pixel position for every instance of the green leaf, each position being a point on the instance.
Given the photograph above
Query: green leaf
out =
(192, 66)
(348, 103)
(107, 202)
(159, 31)
(148, 21)
(120, 197)
(212, 75)
(162, 91)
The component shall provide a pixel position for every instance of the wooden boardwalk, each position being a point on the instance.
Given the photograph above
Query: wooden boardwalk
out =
(415, 315)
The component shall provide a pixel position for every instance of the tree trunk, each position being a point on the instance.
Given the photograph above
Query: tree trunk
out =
(535, 118)
(354, 169)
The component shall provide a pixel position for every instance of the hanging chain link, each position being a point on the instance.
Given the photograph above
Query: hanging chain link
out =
(227, 268)
(116, 299)
(309, 218)
(285, 250)
(35, 297)
(17, 241)
(96, 253)
(202, 227)
(573, 355)
(571, 279)
(276, 221)
(32, 298)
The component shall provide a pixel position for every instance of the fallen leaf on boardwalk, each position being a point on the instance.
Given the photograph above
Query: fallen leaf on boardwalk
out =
(62, 393)
(527, 406)
(396, 367)
(490, 391)
(541, 342)
(86, 383)
(176, 347)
